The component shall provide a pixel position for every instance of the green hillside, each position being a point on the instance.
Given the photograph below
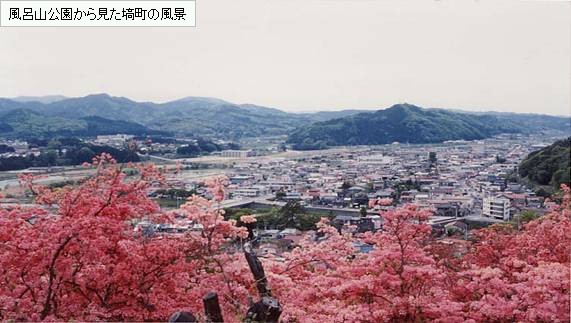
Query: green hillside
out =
(191, 116)
(549, 166)
(219, 119)
(24, 123)
(402, 123)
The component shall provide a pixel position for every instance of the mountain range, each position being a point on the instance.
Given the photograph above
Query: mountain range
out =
(214, 118)
(192, 116)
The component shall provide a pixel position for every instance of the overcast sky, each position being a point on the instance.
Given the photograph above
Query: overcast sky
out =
(303, 55)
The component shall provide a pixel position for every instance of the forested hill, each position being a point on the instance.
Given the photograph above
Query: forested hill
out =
(215, 118)
(28, 124)
(407, 123)
(548, 166)
(191, 116)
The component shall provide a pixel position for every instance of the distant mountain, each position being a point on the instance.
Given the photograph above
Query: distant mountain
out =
(40, 99)
(100, 105)
(407, 123)
(215, 118)
(532, 120)
(197, 116)
(548, 166)
(224, 120)
(24, 123)
(328, 115)
(4, 127)
(101, 126)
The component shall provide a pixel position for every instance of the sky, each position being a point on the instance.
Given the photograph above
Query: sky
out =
(308, 55)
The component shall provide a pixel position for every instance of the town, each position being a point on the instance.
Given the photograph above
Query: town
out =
(464, 184)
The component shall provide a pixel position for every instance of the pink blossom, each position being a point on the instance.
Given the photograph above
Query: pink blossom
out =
(248, 219)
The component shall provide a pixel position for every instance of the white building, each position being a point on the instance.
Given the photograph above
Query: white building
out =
(497, 208)
(245, 192)
(118, 140)
(237, 153)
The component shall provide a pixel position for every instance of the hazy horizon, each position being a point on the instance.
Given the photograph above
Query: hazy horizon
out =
(314, 55)
(57, 97)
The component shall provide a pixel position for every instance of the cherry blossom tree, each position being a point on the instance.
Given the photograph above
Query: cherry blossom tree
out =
(76, 255)
(512, 275)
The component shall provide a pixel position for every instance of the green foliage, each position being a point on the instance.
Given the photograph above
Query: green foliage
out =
(288, 213)
(209, 117)
(292, 215)
(26, 124)
(280, 195)
(308, 221)
(190, 116)
(432, 157)
(130, 171)
(102, 126)
(528, 215)
(346, 185)
(62, 184)
(548, 166)
(269, 218)
(76, 152)
(202, 146)
(542, 192)
(6, 149)
(403, 123)
(454, 231)
(174, 193)
(235, 214)
(4, 127)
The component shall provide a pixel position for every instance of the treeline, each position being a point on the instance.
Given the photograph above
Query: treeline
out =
(291, 215)
(27, 124)
(102, 126)
(174, 193)
(203, 146)
(549, 166)
(6, 149)
(65, 152)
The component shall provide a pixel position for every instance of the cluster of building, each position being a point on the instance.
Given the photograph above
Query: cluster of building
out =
(465, 179)
(472, 180)
(17, 148)
(117, 141)
(457, 181)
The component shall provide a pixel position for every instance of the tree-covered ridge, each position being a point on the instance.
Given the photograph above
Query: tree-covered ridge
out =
(402, 123)
(548, 166)
(26, 124)
(210, 117)
(193, 116)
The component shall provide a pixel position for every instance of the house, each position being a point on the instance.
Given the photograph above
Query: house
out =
(363, 224)
(444, 208)
(245, 193)
(516, 200)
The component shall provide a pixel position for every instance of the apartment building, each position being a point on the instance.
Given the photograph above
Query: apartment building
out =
(497, 208)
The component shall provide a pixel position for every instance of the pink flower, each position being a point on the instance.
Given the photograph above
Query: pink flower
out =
(248, 219)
